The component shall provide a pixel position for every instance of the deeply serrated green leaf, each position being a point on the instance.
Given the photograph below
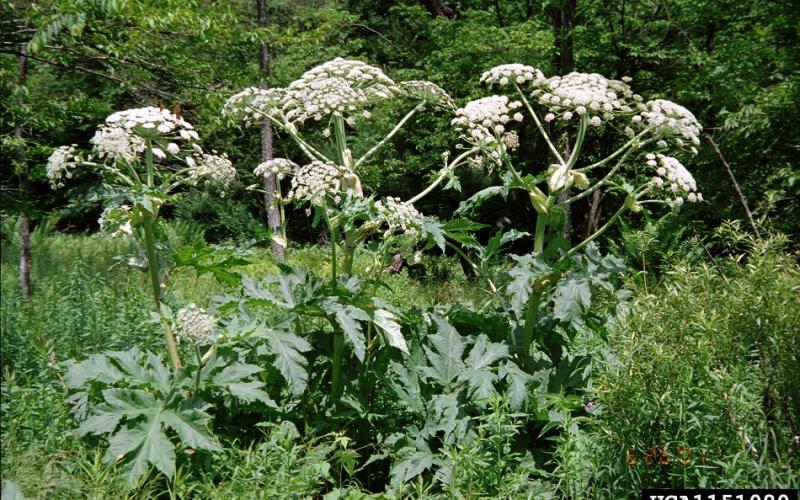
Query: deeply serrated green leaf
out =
(191, 427)
(445, 357)
(388, 324)
(289, 360)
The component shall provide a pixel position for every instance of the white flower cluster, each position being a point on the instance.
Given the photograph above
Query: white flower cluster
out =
(122, 136)
(671, 175)
(673, 120)
(339, 87)
(217, 168)
(59, 165)
(429, 92)
(506, 74)
(400, 216)
(483, 123)
(195, 325)
(315, 181)
(281, 167)
(116, 143)
(253, 103)
(116, 219)
(580, 94)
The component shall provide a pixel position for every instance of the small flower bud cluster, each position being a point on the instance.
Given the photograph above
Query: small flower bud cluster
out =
(672, 119)
(217, 168)
(400, 217)
(254, 104)
(280, 167)
(116, 219)
(315, 181)
(672, 176)
(589, 94)
(483, 123)
(194, 325)
(429, 92)
(59, 165)
(507, 74)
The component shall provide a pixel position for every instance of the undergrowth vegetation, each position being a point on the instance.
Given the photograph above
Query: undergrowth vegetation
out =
(693, 388)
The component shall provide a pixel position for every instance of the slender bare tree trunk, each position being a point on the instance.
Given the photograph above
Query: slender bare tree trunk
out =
(25, 259)
(270, 182)
(595, 209)
(739, 192)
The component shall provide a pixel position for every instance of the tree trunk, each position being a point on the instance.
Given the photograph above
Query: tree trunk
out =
(270, 182)
(595, 208)
(25, 259)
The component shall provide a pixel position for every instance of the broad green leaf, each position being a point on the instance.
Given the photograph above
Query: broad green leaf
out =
(572, 296)
(387, 323)
(288, 350)
(250, 392)
(235, 373)
(349, 317)
(143, 444)
(445, 357)
(410, 464)
(192, 427)
(517, 381)
(529, 268)
(97, 367)
(478, 373)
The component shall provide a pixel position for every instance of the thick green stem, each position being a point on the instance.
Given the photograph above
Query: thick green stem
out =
(338, 361)
(531, 316)
(341, 141)
(541, 226)
(349, 252)
(152, 263)
(334, 236)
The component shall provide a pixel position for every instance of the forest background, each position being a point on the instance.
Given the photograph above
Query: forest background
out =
(734, 64)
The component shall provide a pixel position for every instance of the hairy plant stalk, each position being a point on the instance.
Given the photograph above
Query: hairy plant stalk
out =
(442, 175)
(531, 315)
(539, 125)
(337, 363)
(578, 143)
(391, 134)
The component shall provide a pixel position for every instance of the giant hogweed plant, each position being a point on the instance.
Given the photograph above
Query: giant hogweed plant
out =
(135, 398)
(552, 286)
(340, 96)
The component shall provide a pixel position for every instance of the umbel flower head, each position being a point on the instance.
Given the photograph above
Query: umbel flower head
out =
(124, 133)
(60, 165)
(254, 104)
(195, 325)
(674, 179)
(578, 94)
(216, 168)
(400, 216)
(508, 74)
(125, 137)
(483, 123)
(314, 182)
(280, 167)
(672, 121)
